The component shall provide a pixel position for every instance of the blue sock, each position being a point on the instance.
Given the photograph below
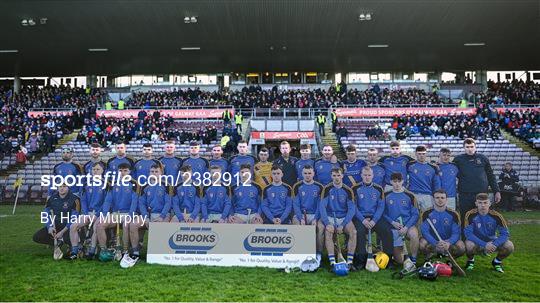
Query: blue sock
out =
(350, 258)
(92, 250)
(332, 259)
(497, 261)
(413, 259)
(75, 250)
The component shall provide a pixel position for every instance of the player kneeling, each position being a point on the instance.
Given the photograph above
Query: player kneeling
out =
(402, 213)
(307, 197)
(481, 227)
(337, 210)
(277, 203)
(92, 198)
(215, 201)
(154, 206)
(186, 202)
(448, 226)
(246, 199)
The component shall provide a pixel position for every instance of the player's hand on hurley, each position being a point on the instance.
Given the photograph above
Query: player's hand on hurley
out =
(497, 197)
(189, 220)
(51, 231)
(397, 225)
(276, 221)
(403, 231)
(490, 248)
(366, 223)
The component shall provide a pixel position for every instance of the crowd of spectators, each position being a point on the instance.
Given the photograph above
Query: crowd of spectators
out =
(510, 93)
(523, 124)
(462, 126)
(152, 128)
(41, 133)
(255, 96)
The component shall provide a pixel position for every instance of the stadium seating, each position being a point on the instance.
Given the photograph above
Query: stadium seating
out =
(498, 151)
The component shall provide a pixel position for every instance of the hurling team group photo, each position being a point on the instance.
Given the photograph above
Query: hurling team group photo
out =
(269, 151)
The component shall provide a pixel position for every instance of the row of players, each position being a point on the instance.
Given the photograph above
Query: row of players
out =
(421, 178)
(332, 208)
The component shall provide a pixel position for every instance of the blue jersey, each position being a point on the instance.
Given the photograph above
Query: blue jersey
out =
(307, 198)
(400, 204)
(120, 198)
(300, 164)
(171, 167)
(378, 174)
(187, 199)
(246, 197)
(238, 160)
(393, 164)
(88, 166)
(92, 198)
(369, 200)
(216, 199)
(65, 169)
(142, 168)
(337, 202)
(323, 171)
(156, 200)
(423, 178)
(277, 202)
(223, 163)
(446, 223)
(448, 174)
(482, 229)
(198, 165)
(112, 164)
(352, 172)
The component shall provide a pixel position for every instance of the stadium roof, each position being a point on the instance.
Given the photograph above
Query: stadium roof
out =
(146, 36)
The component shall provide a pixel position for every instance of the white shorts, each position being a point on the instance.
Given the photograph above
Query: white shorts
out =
(337, 221)
(452, 203)
(213, 217)
(156, 217)
(398, 240)
(424, 201)
(245, 217)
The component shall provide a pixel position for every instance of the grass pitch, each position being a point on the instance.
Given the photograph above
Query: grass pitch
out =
(28, 273)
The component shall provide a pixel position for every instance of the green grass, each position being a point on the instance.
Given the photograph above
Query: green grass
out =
(28, 273)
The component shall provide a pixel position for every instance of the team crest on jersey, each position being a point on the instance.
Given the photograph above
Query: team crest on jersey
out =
(446, 221)
(181, 193)
(478, 224)
(434, 221)
(478, 161)
(117, 189)
(65, 205)
(283, 195)
(303, 193)
(361, 196)
(391, 202)
(140, 166)
(391, 163)
(90, 190)
(239, 194)
(60, 171)
(320, 167)
(220, 195)
(403, 202)
(415, 171)
(251, 194)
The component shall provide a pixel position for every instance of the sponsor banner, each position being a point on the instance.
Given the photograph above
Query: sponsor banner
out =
(52, 113)
(391, 112)
(276, 246)
(282, 135)
(175, 113)
(501, 110)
